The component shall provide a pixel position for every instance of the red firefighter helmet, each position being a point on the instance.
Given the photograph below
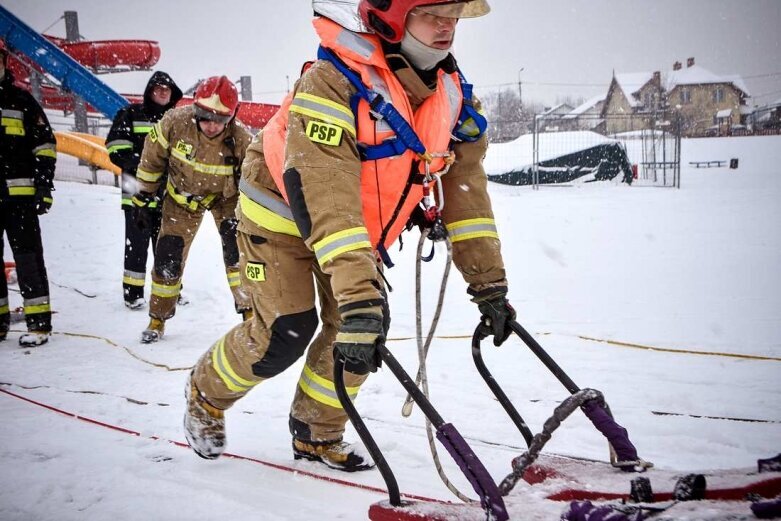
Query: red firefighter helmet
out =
(216, 99)
(387, 18)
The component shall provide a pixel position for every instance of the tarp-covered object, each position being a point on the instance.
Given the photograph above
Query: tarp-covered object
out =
(563, 157)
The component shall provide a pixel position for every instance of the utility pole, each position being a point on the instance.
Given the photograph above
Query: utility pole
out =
(520, 101)
(246, 88)
(79, 106)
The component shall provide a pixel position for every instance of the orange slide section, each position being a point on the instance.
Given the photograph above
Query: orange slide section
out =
(91, 149)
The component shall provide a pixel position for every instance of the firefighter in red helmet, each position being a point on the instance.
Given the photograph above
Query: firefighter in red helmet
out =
(326, 189)
(201, 146)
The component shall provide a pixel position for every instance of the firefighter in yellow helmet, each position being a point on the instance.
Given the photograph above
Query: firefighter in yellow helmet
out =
(201, 146)
(326, 189)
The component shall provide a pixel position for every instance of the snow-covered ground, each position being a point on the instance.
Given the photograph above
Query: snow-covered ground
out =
(694, 271)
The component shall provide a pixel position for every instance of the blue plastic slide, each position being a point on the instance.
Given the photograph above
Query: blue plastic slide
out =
(72, 75)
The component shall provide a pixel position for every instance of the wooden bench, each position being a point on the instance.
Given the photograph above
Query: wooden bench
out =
(708, 164)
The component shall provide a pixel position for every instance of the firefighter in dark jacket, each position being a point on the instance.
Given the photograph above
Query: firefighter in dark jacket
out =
(27, 158)
(125, 142)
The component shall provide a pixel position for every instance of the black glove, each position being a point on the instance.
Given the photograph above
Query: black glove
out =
(358, 338)
(43, 200)
(496, 312)
(141, 213)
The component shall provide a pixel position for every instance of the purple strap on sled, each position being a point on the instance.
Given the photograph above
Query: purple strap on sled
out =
(616, 435)
(587, 511)
(769, 509)
(481, 481)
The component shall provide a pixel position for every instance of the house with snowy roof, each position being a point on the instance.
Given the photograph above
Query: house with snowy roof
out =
(586, 116)
(550, 119)
(707, 102)
(631, 100)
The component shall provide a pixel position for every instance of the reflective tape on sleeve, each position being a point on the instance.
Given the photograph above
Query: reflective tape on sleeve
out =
(117, 145)
(149, 177)
(45, 150)
(472, 229)
(324, 109)
(341, 242)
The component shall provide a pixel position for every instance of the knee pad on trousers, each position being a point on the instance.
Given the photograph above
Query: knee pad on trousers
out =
(168, 256)
(230, 250)
(290, 334)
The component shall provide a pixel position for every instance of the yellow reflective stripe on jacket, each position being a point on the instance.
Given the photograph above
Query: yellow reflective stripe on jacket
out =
(321, 389)
(166, 290)
(142, 127)
(266, 218)
(188, 200)
(324, 109)
(23, 186)
(45, 150)
(234, 279)
(341, 242)
(117, 145)
(4, 308)
(226, 373)
(21, 190)
(149, 177)
(156, 135)
(203, 168)
(13, 122)
(472, 229)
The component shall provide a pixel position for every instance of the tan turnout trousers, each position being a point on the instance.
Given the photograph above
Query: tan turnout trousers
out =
(177, 231)
(281, 274)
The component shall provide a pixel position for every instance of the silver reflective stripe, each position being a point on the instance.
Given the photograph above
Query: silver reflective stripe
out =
(454, 97)
(19, 182)
(325, 252)
(36, 301)
(119, 142)
(278, 207)
(135, 274)
(319, 389)
(47, 146)
(3, 301)
(325, 109)
(143, 124)
(355, 43)
(15, 114)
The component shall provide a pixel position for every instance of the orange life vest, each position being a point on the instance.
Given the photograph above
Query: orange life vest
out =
(388, 194)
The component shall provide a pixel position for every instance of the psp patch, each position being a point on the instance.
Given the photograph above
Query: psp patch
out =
(184, 147)
(324, 133)
(255, 271)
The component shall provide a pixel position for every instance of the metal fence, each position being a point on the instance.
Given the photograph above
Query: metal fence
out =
(652, 144)
(644, 150)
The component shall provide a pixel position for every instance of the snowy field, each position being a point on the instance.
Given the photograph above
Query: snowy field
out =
(694, 272)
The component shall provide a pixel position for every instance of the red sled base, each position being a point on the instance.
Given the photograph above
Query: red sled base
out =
(555, 481)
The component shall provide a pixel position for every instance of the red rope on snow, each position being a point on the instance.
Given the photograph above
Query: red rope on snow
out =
(276, 466)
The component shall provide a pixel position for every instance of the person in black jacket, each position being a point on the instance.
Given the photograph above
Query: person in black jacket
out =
(27, 158)
(125, 142)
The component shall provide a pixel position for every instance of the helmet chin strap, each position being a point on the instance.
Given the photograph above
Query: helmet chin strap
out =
(421, 55)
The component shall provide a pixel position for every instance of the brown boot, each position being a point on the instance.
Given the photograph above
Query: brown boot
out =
(204, 424)
(153, 332)
(338, 455)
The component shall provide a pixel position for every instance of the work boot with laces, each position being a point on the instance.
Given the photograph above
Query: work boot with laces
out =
(153, 332)
(204, 424)
(338, 455)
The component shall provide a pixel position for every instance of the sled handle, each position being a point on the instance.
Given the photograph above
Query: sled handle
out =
(470, 465)
(544, 357)
(363, 432)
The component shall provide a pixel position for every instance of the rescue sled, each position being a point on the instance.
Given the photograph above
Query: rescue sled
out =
(560, 487)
